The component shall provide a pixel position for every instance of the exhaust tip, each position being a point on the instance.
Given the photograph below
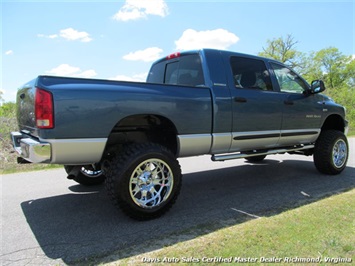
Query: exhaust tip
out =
(74, 172)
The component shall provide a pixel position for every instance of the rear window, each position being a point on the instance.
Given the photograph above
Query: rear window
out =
(185, 70)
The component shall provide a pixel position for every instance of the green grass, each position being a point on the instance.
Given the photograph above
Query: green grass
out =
(322, 230)
(13, 167)
(351, 132)
(8, 157)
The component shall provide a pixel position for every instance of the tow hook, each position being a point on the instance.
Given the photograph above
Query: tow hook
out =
(74, 172)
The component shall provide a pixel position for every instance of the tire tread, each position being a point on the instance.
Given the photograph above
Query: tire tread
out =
(121, 163)
(323, 152)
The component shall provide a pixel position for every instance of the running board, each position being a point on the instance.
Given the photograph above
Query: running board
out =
(233, 156)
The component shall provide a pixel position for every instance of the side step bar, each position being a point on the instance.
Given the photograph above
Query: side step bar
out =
(232, 156)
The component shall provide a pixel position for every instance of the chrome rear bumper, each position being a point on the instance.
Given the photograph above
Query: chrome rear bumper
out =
(31, 149)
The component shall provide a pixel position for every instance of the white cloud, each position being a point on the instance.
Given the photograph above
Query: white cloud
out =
(74, 35)
(69, 34)
(136, 77)
(71, 71)
(9, 52)
(87, 74)
(52, 36)
(218, 39)
(147, 55)
(137, 9)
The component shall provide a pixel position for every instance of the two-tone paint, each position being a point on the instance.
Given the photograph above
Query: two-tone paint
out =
(216, 118)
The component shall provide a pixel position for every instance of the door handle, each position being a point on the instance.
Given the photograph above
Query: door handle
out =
(288, 102)
(240, 100)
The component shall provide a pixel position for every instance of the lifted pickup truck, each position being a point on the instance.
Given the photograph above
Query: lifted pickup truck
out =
(130, 134)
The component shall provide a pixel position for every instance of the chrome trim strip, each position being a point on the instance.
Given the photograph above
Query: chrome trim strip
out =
(299, 132)
(299, 136)
(254, 140)
(259, 136)
(194, 144)
(256, 134)
(77, 151)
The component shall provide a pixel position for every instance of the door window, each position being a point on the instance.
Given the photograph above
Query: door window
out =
(288, 80)
(250, 73)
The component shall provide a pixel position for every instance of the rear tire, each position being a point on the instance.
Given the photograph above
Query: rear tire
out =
(144, 180)
(331, 152)
(88, 175)
(256, 159)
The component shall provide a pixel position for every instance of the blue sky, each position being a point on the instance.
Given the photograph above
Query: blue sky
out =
(120, 39)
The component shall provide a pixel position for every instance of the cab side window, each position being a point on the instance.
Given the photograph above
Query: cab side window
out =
(288, 80)
(186, 71)
(250, 73)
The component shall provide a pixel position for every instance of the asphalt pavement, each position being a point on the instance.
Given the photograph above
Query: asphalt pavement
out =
(49, 220)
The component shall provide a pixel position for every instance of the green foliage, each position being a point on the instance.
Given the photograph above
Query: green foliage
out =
(282, 49)
(8, 110)
(337, 71)
(7, 119)
(7, 124)
(331, 66)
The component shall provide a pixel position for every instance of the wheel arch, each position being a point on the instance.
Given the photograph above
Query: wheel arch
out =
(141, 128)
(334, 122)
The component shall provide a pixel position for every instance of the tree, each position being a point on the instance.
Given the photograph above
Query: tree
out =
(333, 65)
(8, 110)
(338, 72)
(350, 72)
(1, 98)
(283, 50)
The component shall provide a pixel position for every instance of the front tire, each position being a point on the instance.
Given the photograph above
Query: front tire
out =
(144, 180)
(331, 152)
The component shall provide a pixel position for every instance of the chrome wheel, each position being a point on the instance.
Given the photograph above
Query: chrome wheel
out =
(339, 154)
(151, 183)
(331, 152)
(88, 175)
(144, 180)
(91, 171)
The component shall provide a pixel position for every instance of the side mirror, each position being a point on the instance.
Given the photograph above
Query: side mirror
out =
(317, 86)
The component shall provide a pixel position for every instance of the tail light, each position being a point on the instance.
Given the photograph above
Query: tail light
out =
(44, 109)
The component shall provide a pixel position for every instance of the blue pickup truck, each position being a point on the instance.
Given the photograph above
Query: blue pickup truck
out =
(130, 134)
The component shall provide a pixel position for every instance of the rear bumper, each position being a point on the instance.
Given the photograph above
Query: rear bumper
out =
(58, 151)
(31, 149)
